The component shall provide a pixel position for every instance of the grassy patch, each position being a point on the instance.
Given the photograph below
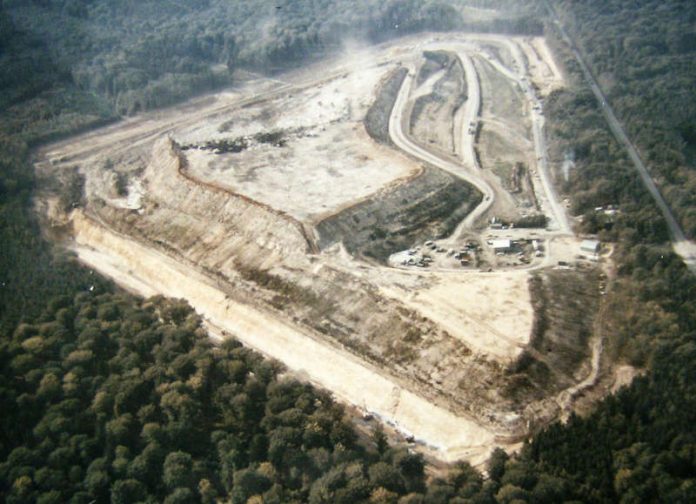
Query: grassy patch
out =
(565, 304)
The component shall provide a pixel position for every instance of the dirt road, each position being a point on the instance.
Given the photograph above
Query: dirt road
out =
(549, 197)
(470, 167)
(471, 112)
(399, 137)
(491, 313)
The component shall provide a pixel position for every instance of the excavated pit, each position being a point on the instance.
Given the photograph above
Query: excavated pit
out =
(429, 207)
(266, 232)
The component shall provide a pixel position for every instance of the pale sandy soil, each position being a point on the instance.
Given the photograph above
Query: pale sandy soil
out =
(623, 376)
(468, 170)
(490, 312)
(502, 99)
(427, 87)
(542, 67)
(564, 248)
(497, 201)
(147, 272)
(328, 163)
(327, 170)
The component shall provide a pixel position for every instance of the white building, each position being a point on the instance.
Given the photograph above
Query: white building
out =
(590, 246)
(501, 245)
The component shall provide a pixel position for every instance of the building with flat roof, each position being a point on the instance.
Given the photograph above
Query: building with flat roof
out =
(590, 246)
(501, 245)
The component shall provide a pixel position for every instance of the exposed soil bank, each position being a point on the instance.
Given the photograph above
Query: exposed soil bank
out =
(236, 234)
(432, 120)
(429, 207)
(146, 271)
(566, 303)
(377, 117)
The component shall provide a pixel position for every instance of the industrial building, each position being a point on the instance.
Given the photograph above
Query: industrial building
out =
(590, 246)
(501, 246)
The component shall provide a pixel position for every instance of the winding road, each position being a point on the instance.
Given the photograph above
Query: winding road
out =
(398, 118)
(469, 168)
(147, 271)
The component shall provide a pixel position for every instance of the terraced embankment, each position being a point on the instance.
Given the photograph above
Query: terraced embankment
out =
(246, 237)
(377, 117)
(208, 226)
(566, 305)
(251, 252)
(429, 207)
(147, 272)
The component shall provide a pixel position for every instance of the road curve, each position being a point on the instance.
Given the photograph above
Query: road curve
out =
(396, 132)
(470, 166)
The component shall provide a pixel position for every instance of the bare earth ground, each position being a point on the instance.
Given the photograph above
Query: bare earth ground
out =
(148, 272)
(321, 125)
(428, 350)
(542, 66)
(490, 312)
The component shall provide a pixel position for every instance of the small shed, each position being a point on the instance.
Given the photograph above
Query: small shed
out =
(501, 245)
(590, 246)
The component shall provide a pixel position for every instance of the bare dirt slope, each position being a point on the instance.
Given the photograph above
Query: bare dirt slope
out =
(274, 141)
(436, 102)
(148, 272)
(274, 208)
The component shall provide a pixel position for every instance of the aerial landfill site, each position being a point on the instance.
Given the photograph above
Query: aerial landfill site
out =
(385, 224)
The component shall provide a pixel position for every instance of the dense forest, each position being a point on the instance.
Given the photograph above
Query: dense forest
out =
(134, 55)
(110, 398)
(129, 401)
(642, 52)
(637, 445)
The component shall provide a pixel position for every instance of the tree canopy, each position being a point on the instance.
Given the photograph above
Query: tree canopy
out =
(112, 398)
